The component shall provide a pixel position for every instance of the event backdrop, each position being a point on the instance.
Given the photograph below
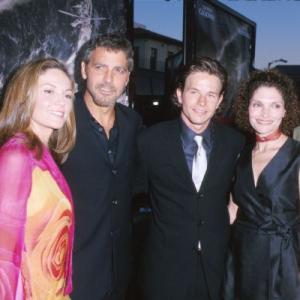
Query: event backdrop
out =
(36, 28)
(215, 30)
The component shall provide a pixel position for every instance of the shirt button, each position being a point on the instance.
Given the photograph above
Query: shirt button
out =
(109, 152)
(114, 172)
(201, 195)
(201, 222)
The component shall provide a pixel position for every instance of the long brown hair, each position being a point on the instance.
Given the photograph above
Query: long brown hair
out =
(18, 105)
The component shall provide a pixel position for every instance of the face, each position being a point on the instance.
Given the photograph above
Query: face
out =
(53, 101)
(199, 99)
(266, 110)
(106, 76)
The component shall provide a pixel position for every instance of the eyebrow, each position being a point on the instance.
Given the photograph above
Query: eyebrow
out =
(47, 83)
(54, 86)
(208, 92)
(275, 100)
(106, 65)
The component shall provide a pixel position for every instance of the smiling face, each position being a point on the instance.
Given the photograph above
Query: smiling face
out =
(53, 100)
(106, 74)
(199, 100)
(266, 110)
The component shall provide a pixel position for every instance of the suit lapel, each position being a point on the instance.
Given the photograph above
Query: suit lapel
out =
(177, 156)
(123, 134)
(214, 156)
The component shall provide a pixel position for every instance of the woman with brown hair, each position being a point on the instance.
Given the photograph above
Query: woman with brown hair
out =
(36, 214)
(266, 236)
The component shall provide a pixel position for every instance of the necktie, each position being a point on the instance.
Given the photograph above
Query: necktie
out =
(199, 163)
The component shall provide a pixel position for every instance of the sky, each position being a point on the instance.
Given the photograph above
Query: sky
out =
(277, 24)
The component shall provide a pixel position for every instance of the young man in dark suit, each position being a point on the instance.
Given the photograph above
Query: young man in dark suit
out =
(99, 171)
(188, 164)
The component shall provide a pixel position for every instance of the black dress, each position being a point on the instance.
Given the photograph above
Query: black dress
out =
(264, 264)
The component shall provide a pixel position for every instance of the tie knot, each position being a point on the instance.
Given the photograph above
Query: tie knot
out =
(198, 139)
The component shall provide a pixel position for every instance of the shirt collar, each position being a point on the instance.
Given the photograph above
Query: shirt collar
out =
(187, 135)
(96, 125)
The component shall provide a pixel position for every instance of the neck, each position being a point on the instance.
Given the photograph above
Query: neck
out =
(271, 137)
(197, 128)
(271, 144)
(104, 115)
(44, 135)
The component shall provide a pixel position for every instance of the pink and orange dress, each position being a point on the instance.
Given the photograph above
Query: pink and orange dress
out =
(36, 225)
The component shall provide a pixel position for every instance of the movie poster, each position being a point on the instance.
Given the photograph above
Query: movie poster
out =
(223, 34)
(36, 28)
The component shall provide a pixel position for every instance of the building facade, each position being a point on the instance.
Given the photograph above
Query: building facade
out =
(151, 52)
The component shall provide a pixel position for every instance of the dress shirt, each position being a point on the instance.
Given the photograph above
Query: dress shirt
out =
(189, 145)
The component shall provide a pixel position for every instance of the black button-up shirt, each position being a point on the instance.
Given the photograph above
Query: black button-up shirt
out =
(110, 143)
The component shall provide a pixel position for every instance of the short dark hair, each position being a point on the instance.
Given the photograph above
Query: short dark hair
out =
(113, 42)
(267, 78)
(201, 64)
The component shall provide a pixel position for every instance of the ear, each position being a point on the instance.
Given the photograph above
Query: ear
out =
(179, 95)
(83, 71)
(220, 100)
(128, 76)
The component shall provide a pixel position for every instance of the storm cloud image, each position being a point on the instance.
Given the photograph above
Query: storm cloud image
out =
(38, 28)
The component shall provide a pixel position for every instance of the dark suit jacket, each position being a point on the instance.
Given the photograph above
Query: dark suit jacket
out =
(180, 215)
(102, 201)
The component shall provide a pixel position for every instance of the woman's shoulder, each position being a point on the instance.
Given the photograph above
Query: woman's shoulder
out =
(15, 149)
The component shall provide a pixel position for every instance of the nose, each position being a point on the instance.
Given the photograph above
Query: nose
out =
(265, 112)
(60, 99)
(108, 76)
(201, 100)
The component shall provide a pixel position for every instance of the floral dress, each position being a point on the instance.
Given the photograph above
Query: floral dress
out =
(36, 225)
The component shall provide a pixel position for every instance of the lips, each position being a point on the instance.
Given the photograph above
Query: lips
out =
(199, 111)
(264, 122)
(106, 89)
(59, 114)
(105, 92)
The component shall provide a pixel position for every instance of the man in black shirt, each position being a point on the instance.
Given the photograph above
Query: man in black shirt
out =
(99, 171)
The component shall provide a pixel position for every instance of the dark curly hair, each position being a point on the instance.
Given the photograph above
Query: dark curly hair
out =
(267, 78)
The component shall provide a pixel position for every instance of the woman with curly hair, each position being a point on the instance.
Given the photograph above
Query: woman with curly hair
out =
(265, 258)
(37, 125)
